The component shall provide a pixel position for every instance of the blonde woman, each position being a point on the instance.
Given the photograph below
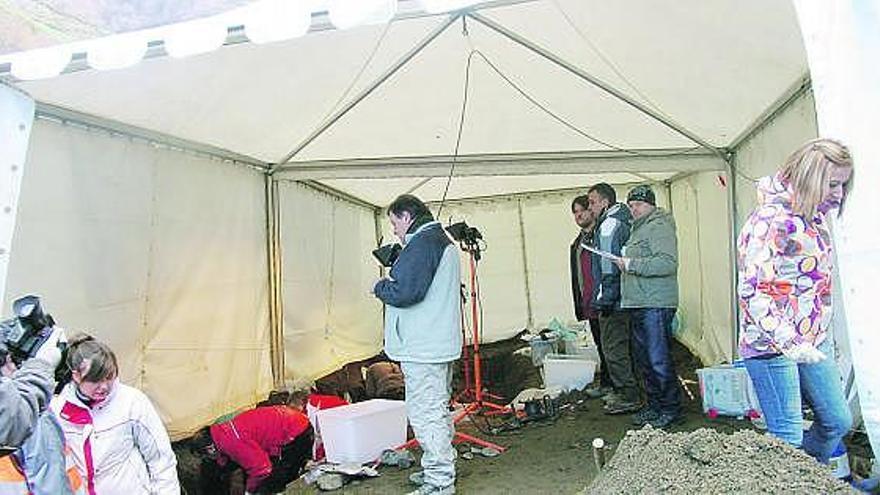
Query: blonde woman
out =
(114, 432)
(785, 289)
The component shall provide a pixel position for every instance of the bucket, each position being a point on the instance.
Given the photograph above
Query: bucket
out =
(839, 462)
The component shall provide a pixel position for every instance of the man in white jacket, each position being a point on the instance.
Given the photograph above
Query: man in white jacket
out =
(116, 437)
(422, 331)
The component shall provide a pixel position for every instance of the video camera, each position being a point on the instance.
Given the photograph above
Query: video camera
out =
(24, 334)
(387, 254)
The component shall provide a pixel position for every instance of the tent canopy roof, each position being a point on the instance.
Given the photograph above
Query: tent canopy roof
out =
(712, 68)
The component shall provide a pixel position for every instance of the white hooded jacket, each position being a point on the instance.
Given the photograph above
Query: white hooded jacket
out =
(120, 445)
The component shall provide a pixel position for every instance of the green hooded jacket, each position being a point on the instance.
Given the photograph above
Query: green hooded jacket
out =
(651, 280)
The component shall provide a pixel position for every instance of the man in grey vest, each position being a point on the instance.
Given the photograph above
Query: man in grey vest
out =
(423, 332)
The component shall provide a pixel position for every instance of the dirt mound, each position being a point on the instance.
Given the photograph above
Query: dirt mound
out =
(706, 461)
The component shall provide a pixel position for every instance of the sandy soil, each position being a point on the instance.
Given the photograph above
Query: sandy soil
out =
(542, 457)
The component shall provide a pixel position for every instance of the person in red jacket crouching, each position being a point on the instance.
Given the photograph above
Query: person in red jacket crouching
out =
(271, 444)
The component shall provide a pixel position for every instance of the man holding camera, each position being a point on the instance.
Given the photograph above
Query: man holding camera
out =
(422, 332)
(32, 460)
(613, 221)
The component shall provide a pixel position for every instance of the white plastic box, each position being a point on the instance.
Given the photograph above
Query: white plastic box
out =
(358, 433)
(568, 372)
(727, 390)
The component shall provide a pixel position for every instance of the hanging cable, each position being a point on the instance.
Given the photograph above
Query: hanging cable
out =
(357, 76)
(464, 101)
(568, 124)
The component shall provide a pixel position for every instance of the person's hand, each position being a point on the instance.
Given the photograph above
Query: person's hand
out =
(804, 353)
(622, 263)
(50, 352)
(373, 289)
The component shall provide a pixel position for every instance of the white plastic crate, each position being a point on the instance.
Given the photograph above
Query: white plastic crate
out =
(568, 372)
(358, 433)
(727, 390)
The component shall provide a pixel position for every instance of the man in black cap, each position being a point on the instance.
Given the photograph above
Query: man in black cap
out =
(649, 290)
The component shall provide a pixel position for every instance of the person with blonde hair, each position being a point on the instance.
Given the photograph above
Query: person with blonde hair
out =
(785, 293)
(116, 437)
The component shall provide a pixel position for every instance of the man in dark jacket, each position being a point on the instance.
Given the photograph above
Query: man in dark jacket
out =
(612, 231)
(580, 261)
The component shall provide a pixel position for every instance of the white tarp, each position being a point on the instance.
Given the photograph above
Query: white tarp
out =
(842, 41)
(330, 317)
(159, 253)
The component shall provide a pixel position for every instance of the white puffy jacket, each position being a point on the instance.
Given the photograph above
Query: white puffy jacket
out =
(120, 445)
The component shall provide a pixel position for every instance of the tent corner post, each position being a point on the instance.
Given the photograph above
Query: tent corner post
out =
(732, 215)
(275, 300)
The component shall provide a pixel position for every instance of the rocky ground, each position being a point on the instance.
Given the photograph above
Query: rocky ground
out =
(708, 461)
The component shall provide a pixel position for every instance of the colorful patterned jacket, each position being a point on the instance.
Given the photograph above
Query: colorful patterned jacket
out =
(785, 266)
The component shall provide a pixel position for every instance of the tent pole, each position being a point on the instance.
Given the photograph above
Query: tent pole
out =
(54, 113)
(734, 272)
(372, 87)
(276, 312)
(525, 264)
(516, 38)
(529, 163)
(802, 86)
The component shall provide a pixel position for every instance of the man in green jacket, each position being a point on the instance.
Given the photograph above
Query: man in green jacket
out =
(649, 290)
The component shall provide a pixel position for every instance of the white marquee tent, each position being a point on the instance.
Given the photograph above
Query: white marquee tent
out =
(211, 216)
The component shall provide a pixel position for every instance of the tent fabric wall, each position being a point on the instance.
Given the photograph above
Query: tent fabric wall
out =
(765, 151)
(705, 320)
(524, 273)
(159, 253)
(330, 316)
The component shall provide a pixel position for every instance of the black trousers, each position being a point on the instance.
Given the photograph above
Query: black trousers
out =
(604, 377)
(289, 464)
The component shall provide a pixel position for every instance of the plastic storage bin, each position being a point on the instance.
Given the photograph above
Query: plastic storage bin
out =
(727, 390)
(358, 433)
(541, 348)
(568, 372)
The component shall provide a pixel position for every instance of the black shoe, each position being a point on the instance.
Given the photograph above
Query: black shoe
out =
(622, 407)
(645, 416)
(597, 392)
(665, 420)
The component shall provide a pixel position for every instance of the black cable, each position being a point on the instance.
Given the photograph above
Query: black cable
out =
(564, 122)
(464, 100)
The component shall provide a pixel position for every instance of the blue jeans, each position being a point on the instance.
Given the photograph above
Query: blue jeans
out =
(780, 383)
(651, 331)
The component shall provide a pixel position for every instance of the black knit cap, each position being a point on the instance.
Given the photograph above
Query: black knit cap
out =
(642, 193)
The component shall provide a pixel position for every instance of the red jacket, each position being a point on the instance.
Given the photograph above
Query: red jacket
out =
(252, 437)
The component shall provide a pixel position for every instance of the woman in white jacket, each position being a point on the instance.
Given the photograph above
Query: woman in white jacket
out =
(117, 439)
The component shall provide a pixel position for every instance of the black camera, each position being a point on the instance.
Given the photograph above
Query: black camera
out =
(27, 330)
(462, 232)
(24, 334)
(387, 254)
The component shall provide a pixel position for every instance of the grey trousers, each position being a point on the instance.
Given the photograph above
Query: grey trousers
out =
(615, 337)
(428, 387)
